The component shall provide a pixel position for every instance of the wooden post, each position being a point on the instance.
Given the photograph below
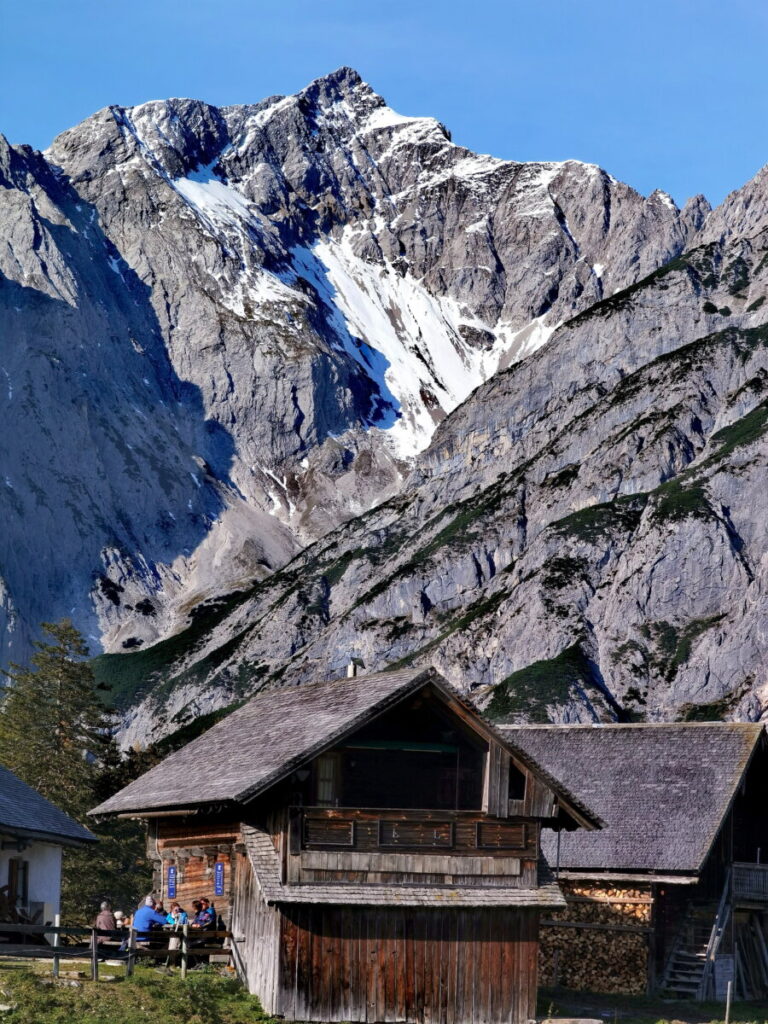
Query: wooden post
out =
(94, 956)
(184, 949)
(131, 952)
(56, 942)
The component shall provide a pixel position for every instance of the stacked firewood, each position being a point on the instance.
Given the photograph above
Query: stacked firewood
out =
(611, 953)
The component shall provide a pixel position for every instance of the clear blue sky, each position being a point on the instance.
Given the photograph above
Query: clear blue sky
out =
(662, 94)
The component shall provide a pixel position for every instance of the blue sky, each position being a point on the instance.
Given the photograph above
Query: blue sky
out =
(670, 95)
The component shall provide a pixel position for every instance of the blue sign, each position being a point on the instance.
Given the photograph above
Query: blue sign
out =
(218, 878)
(171, 881)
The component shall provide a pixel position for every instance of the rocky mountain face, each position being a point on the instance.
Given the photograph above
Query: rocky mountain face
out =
(583, 539)
(228, 331)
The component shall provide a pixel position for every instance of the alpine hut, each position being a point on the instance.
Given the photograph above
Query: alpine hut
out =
(373, 844)
(672, 894)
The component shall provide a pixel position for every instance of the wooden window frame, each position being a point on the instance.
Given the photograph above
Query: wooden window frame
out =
(479, 825)
(450, 845)
(314, 844)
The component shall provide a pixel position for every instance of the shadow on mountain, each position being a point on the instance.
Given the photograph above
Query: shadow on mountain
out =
(107, 457)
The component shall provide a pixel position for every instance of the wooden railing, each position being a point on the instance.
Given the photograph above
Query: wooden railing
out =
(193, 942)
(343, 828)
(750, 883)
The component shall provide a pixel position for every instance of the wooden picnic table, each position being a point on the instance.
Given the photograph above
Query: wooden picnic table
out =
(191, 939)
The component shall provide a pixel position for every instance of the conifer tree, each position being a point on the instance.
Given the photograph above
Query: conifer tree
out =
(55, 729)
(56, 735)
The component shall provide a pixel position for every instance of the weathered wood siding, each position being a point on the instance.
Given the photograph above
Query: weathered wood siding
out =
(496, 795)
(194, 848)
(409, 846)
(436, 966)
(256, 935)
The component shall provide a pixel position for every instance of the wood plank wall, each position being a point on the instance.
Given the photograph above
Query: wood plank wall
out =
(255, 928)
(496, 802)
(426, 966)
(193, 847)
(476, 842)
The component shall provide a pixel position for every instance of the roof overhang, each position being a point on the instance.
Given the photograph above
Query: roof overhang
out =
(619, 877)
(34, 835)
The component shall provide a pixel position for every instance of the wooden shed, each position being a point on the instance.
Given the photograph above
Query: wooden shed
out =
(672, 894)
(374, 845)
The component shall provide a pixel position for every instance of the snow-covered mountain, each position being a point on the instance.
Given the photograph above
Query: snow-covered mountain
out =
(227, 331)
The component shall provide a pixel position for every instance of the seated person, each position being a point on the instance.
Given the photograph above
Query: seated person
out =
(209, 912)
(146, 918)
(105, 922)
(177, 916)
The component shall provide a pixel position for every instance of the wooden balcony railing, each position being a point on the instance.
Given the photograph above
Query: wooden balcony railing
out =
(344, 828)
(750, 883)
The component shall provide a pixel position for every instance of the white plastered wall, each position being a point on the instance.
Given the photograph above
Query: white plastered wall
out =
(44, 872)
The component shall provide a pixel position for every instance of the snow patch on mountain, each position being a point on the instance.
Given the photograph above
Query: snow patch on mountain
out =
(406, 339)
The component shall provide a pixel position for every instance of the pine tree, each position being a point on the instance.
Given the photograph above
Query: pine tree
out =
(56, 735)
(55, 729)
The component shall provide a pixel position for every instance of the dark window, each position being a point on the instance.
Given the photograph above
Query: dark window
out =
(516, 782)
(418, 755)
(18, 882)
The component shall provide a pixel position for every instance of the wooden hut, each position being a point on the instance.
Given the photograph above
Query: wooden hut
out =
(672, 894)
(374, 845)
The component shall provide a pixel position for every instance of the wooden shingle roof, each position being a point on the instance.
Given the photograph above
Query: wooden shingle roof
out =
(24, 813)
(277, 731)
(662, 790)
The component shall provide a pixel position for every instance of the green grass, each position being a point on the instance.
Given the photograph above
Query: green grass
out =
(206, 997)
(736, 275)
(128, 675)
(679, 499)
(595, 522)
(743, 432)
(456, 621)
(713, 711)
(673, 644)
(531, 690)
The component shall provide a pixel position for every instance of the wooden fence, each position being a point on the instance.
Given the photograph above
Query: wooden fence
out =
(192, 942)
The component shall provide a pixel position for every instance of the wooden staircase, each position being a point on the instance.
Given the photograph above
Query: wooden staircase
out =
(685, 972)
(689, 972)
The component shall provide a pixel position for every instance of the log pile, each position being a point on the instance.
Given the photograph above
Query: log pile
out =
(602, 944)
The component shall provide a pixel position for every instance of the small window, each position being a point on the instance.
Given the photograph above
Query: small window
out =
(327, 776)
(516, 782)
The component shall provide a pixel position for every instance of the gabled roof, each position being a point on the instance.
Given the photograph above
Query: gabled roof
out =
(279, 730)
(662, 790)
(28, 815)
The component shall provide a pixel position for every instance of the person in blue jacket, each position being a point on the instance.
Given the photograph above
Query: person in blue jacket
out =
(176, 915)
(146, 918)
